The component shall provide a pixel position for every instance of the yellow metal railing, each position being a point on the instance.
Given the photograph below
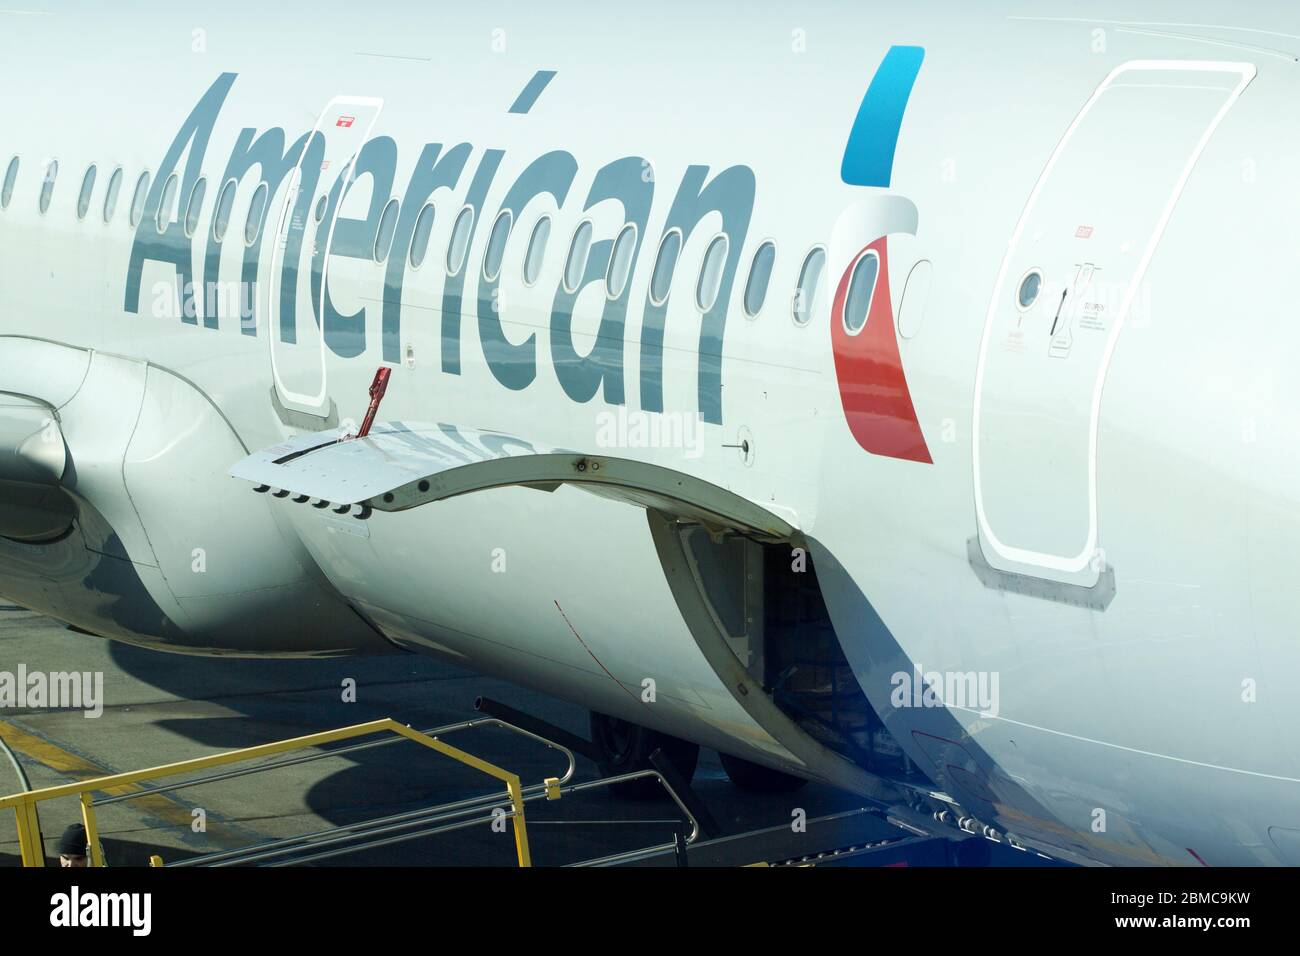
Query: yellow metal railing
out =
(29, 829)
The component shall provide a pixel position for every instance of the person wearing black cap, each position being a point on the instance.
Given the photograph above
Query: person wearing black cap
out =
(73, 846)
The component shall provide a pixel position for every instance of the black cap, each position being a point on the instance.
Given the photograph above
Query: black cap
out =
(73, 842)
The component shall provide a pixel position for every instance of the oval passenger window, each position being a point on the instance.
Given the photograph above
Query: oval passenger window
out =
(420, 239)
(87, 191)
(620, 262)
(805, 296)
(661, 281)
(536, 250)
(110, 194)
(496, 248)
(760, 276)
(862, 286)
(459, 245)
(579, 250)
(710, 281)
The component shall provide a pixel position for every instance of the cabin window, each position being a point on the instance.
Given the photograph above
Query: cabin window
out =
(225, 206)
(805, 296)
(256, 212)
(496, 247)
(579, 251)
(387, 229)
(620, 262)
(459, 246)
(661, 280)
(536, 254)
(165, 213)
(194, 207)
(87, 190)
(137, 201)
(710, 281)
(111, 194)
(862, 287)
(1030, 286)
(760, 277)
(420, 238)
(47, 184)
(7, 190)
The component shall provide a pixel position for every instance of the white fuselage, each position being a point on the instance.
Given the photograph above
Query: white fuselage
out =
(1100, 514)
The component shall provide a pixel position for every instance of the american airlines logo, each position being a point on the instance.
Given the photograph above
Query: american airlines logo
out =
(876, 401)
(721, 200)
(873, 387)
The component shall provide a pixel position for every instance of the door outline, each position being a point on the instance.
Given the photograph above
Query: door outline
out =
(301, 401)
(1076, 563)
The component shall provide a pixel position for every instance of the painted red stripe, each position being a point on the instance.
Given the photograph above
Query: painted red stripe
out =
(873, 387)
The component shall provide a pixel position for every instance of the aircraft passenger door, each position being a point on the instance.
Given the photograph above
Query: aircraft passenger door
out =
(1071, 278)
(300, 258)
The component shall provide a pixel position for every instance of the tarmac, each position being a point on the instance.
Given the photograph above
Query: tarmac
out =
(160, 707)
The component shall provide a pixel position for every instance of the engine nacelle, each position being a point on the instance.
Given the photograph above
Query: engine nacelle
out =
(142, 535)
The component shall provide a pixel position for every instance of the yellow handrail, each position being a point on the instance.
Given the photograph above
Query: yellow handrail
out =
(29, 830)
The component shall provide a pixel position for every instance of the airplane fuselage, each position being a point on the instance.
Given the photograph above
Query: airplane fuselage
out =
(1050, 447)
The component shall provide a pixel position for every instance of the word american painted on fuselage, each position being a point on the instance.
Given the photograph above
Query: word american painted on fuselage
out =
(729, 194)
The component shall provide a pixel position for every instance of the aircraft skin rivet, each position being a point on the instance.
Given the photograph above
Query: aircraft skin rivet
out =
(595, 466)
(423, 486)
(388, 498)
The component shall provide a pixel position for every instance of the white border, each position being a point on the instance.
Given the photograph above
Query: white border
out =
(106, 213)
(48, 181)
(415, 231)
(803, 269)
(256, 237)
(466, 210)
(161, 224)
(199, 188)
(569, 261)
(487, 248)
(309, 403)
(658, 303)
(610, 295)
(1020, 286)
(1078, 562)
(744, 291)
(91, 173)
(528, 253)
(844, 313)
(379, 232)
(722, 271)
(130, 210)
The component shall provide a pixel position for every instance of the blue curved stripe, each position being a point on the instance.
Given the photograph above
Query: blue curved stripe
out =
(869, 155)
(534, 89)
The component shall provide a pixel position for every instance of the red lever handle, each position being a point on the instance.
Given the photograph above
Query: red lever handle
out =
(377, 389)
